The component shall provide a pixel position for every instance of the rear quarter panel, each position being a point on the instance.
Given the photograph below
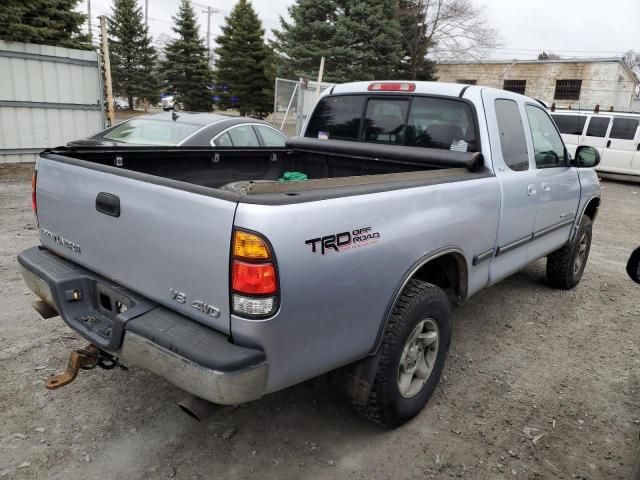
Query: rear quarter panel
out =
(332, 305)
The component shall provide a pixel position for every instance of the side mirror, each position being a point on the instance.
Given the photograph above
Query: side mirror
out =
(633, 265)
(586, 157)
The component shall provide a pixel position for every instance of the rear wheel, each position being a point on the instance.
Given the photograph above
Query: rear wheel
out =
(566, 266)
(414, 347)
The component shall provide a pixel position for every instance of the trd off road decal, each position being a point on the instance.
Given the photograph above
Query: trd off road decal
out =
(360, 237)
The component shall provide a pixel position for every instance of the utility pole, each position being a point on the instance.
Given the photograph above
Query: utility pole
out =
(209, 11)
(107, 69)
(89, 19)
(146, 13)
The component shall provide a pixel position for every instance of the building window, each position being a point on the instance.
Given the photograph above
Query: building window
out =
(467, 81)
(516, 86)
(567, 89)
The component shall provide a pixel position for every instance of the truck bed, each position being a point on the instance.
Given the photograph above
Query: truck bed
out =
(326, 163)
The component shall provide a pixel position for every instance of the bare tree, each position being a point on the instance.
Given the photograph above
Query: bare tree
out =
(632, 59)
(413, 30)
(457, 29)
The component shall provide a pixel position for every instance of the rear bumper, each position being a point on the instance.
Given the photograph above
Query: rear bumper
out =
(194, 357)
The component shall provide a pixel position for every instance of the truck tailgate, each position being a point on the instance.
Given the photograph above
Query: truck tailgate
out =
(170, 245)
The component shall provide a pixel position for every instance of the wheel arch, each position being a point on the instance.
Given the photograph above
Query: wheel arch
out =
(445, 268)
(590, 209)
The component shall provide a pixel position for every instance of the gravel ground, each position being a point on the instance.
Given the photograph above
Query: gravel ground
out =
(539, 384)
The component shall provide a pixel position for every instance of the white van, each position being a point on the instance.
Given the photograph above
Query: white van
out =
(615, 134)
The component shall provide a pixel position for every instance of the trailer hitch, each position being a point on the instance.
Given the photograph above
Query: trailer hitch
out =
(86, 358)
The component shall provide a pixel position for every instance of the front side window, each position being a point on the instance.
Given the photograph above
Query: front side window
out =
(598, 127)
(384, 120)
(570, 124)
(441, 123)
(513, 142)
(624, 128)
(143, 131)
(243, 136)
(548, 148)
(337, 118)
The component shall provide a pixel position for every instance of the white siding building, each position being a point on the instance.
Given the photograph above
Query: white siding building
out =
(48, 97)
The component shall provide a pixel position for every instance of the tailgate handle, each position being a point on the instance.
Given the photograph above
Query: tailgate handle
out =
(108, 204)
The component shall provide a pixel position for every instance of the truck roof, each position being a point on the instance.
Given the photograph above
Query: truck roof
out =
(431, 88)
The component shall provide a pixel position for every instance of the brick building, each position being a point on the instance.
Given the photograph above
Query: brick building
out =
(607, 82)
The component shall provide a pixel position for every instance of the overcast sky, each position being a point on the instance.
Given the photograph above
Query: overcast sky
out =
(578, 28)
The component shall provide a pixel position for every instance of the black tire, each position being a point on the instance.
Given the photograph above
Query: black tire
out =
(176, 107)
(566, 266)
(386, 406)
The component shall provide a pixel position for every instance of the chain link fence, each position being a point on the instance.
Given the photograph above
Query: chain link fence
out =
(293, 102)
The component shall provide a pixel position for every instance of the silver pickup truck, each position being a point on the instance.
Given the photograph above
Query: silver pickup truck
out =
(234, 273)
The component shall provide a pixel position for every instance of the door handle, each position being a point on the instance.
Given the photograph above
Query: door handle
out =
(108, 204)
(546, 187)
(531, 189)
(608, 143)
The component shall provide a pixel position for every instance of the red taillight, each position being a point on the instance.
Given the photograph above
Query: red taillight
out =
(34, 202)
(391, 87)
(254, 278)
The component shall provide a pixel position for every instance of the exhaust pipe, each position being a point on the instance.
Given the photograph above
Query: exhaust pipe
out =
(44, 309)
(197, 408)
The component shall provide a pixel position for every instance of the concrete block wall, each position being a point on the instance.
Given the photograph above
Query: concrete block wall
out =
(603, 83)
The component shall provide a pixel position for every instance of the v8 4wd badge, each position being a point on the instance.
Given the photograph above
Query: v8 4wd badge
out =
(199, 305)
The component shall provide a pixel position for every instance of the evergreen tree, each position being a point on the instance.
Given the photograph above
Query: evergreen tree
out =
(46, 22)
(244, 62)
(186, 63)
(367, 43)
(414, 64)
(359, 39)
(131, 53)
(301, 43)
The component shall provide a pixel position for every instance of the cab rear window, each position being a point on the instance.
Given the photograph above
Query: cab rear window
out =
(337, 118)
(417, 121)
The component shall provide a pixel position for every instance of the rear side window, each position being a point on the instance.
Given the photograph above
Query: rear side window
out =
(270, 136)
(224, 140)
(570, 124)
(384, 120)
(441, 123)
(244, 136)
(512, 138)
(598, 126)
(624, 128)
(337, 118)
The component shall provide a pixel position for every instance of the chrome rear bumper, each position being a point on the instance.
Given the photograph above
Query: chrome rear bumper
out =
(225, 388)
(189, 355)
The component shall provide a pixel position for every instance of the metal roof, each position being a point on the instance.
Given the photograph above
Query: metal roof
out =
(559, 60)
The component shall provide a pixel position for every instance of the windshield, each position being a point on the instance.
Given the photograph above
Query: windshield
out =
(152, 132)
